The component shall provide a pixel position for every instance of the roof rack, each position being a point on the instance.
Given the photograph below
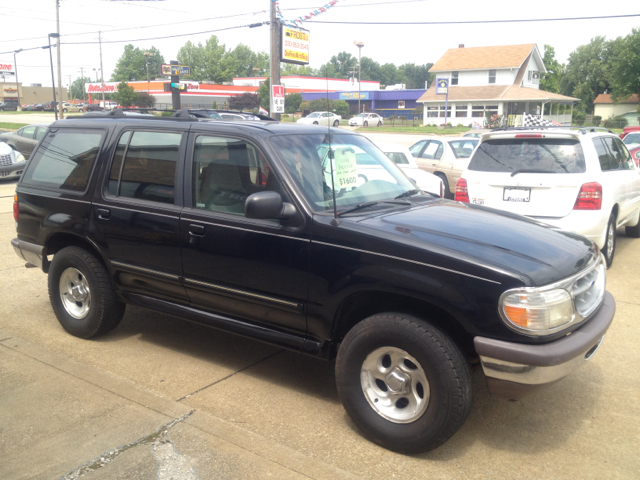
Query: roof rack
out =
(585, 130)
(120, 113)
(537, 127)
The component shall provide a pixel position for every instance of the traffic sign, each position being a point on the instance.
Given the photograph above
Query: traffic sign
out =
(277, 94)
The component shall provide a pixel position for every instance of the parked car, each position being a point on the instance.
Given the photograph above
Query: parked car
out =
(108, 105)
(71, 107)
(627, 130)
(12, 163)
(635, 154)
(445, 157)
(50, 106)
(321, 118)
(4, 106)
(632, 139)
(39, 107)
(366, 119)
(25, 139)
(579, 180)
(265, 230)
(92, 107)
(402, 157)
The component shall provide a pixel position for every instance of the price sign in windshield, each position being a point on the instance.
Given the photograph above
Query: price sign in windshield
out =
(346, 169)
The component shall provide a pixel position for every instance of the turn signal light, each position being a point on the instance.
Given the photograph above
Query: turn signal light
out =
(589, 197)
(462, 194)
(15, 207)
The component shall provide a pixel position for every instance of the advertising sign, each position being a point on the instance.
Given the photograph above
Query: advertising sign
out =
(535, 75)
(295, 45)
(6, 68)
(353, 96)
(277, 94)
(182, 70)
(442, 86)
(109, 87)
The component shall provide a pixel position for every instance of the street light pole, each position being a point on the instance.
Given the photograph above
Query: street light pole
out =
(59, 61)
(359, 45)
(53, 81)
(146, 62)
(15, 65)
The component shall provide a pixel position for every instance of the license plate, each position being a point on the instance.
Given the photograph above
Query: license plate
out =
(516, 194)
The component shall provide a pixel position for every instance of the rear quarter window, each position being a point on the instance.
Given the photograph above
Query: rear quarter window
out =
(64, 159)
(543, 155)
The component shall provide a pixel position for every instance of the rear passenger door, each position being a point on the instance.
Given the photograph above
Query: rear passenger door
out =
(137, 212)
(248, 269)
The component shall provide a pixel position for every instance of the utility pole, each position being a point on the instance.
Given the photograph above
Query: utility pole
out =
(274, 64)
(82, 77)
(104, 103)
(359, 45)
(15, 65)
(61, 114)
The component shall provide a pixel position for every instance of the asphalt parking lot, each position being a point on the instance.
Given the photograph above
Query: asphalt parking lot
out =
(162, 398)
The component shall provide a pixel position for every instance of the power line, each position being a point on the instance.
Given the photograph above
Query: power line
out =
(466, 22)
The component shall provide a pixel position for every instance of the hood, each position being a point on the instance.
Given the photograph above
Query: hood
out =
(5, 149)
(491, 239)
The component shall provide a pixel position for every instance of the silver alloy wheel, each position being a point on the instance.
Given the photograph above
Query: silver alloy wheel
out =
(395, 385)
(75, 293)
(610, 235)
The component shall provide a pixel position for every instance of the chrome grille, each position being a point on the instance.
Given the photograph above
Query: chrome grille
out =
(6, 160)
(588, 290)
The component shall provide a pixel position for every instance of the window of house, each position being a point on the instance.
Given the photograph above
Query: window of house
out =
(529, 75)
(477, 111)
(432, 111)
(226, 171)
(442, 111)
(64, 159)
(454, 78)
(462, 111)
(148, 169)
(492, 76)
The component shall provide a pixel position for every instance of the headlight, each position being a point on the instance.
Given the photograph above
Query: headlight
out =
(19, 158)
(552, 308)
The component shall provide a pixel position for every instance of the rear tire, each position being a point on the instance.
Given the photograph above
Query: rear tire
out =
(404, 383)
(82, 294)
(443, 177)
(609, 248)
(379, 124)
(366, 124)
(336, 123)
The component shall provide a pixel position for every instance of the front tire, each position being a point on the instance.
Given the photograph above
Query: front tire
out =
(366, 124)
(404, 383)
(315, 123)
(609, 248)
(336, 123)
(82, 294)
(64, 110)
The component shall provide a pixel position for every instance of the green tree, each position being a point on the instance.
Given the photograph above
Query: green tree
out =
(76, 89)
(263, 94)
(292, 102)
(370, 69)
(208, 62)
(246, 101)
(244, 62)
(292, 69)
(145, 100)
(132, 64)
(417, 75)
(126, 95)
(625, 67)
(550, 82)
(587, 72)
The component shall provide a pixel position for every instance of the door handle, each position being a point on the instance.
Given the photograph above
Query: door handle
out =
(104, 214)
(196, 230)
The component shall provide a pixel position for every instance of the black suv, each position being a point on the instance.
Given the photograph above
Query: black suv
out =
(309, 238)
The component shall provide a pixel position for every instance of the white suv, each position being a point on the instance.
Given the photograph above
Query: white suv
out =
(578, 180)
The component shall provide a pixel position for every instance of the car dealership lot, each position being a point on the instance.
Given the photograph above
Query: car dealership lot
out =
(246, 409)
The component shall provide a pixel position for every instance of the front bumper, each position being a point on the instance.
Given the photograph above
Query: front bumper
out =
(513, 370)
(13, 170)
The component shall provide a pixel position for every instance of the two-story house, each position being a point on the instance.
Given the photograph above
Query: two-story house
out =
(504, 80)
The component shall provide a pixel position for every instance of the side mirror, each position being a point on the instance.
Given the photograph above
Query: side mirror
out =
(269, 204)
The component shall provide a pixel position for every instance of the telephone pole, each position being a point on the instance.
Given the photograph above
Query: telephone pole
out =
(82, 77)
(274, 64)
(61, 114)
(104, 103)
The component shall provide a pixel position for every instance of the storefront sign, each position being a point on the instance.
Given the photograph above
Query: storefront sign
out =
(353, 95)
(6, 68)
(109, 87)
(295, 45)
(181, 70)
(10, 91)
(442, 86)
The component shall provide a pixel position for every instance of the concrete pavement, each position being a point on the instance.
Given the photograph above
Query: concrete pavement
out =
(159, 397)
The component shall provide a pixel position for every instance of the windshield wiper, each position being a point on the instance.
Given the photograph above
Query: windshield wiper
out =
(359, 207)
(530, 170)
(408, 193)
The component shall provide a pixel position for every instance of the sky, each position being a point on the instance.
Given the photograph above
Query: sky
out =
(25, 24)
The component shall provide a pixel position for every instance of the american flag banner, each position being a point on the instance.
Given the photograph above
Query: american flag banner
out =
(529, 120)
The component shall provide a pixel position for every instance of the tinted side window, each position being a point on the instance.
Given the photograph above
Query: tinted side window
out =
(226, 171)
(606, 162)
(149, 168)
(618, 154)
(398, 158)
(64, 160)
(415, 150)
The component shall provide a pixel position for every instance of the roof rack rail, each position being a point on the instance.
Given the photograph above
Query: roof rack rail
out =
(120, 113)
(537, 127)
(585, 130)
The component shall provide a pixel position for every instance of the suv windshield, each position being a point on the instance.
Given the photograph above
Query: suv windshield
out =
(542, 155)
(361, 172)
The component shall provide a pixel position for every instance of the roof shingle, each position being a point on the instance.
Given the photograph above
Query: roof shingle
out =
(606, 98)
(473, 58)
